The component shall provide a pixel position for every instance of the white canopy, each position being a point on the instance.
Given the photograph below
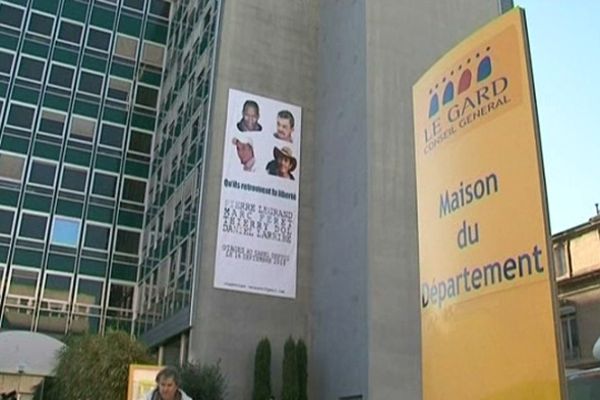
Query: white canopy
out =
(28, 353)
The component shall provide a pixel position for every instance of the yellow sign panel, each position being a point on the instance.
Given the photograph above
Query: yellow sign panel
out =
(488, 328)
(141, 380)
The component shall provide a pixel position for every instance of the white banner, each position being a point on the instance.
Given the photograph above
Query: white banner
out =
(258, 214)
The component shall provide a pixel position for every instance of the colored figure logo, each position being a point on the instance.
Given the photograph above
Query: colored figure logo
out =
(484, 70)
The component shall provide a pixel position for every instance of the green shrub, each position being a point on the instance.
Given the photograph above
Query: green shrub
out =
(289, 389)
(97, 367)
(262, 371)
(302, 359)
(203, 382)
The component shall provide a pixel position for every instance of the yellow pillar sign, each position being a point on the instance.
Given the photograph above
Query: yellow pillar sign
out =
(141, 380)
(488, 320)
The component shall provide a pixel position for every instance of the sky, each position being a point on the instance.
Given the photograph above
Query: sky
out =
(564, 39)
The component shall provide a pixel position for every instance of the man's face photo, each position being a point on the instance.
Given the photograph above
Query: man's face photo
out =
(250, 118)
(244, 151)
(284, 129)
(284, 164)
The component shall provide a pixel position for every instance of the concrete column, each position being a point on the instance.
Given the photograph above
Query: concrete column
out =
(183, 348)
(161, 355)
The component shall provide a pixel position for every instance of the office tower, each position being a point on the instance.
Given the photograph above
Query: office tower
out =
(79, 89)
(171, 233)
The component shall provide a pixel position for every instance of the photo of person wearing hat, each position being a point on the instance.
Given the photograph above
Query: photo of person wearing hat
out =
(245, 152)
(283, 163)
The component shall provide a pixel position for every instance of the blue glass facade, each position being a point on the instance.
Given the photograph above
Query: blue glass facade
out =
(79, 88)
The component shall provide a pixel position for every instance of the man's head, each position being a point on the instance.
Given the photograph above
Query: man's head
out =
(168, 382)
(285, 125)
(250, 115)
(286, 163)
(244, 148)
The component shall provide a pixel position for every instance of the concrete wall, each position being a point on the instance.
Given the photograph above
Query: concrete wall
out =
(339, 352)
(350, 65)
(267, 47)
(386, 45)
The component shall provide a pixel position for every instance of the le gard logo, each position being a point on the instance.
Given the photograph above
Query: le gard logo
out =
(463, 96)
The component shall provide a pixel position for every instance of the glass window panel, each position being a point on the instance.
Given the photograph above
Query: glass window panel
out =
(33, 226)
(70, 32)
(11, 16)
(61, 76)
(65, 232)
(89, 292)
(159, 7)
(57, 287)
(98, 39)
(119, 89)
(83, 128)
(97, 237)
(90, 83)
(126, 47)
(6, 60)
(21, 116)
(153, 54)
(121, 296)
(42, 173)
(84, 324)
(127, 241)
(112, 135)
(74, 179)
(41, 24)
(52, 122)
(134, 190)
(23, 283)
(31, 69)
(140, 142)
(104, 184)
(146, 96)
(6, 223)
(11, 167)
(137, 4)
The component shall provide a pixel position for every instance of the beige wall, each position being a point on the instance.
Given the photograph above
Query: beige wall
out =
(579, 286)
(23, 384)
(585, 252)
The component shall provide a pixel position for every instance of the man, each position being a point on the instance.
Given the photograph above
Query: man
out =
(167, 386)
(250, 115)
(245, 152)
(283, 163)
(285, 126)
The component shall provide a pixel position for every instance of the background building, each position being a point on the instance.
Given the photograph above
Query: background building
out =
(577, 264)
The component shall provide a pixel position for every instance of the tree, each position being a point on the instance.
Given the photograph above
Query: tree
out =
(289, 390)
(93, 367)
(45, 390)
(203, 382)
(302, 360)
(262, 371)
